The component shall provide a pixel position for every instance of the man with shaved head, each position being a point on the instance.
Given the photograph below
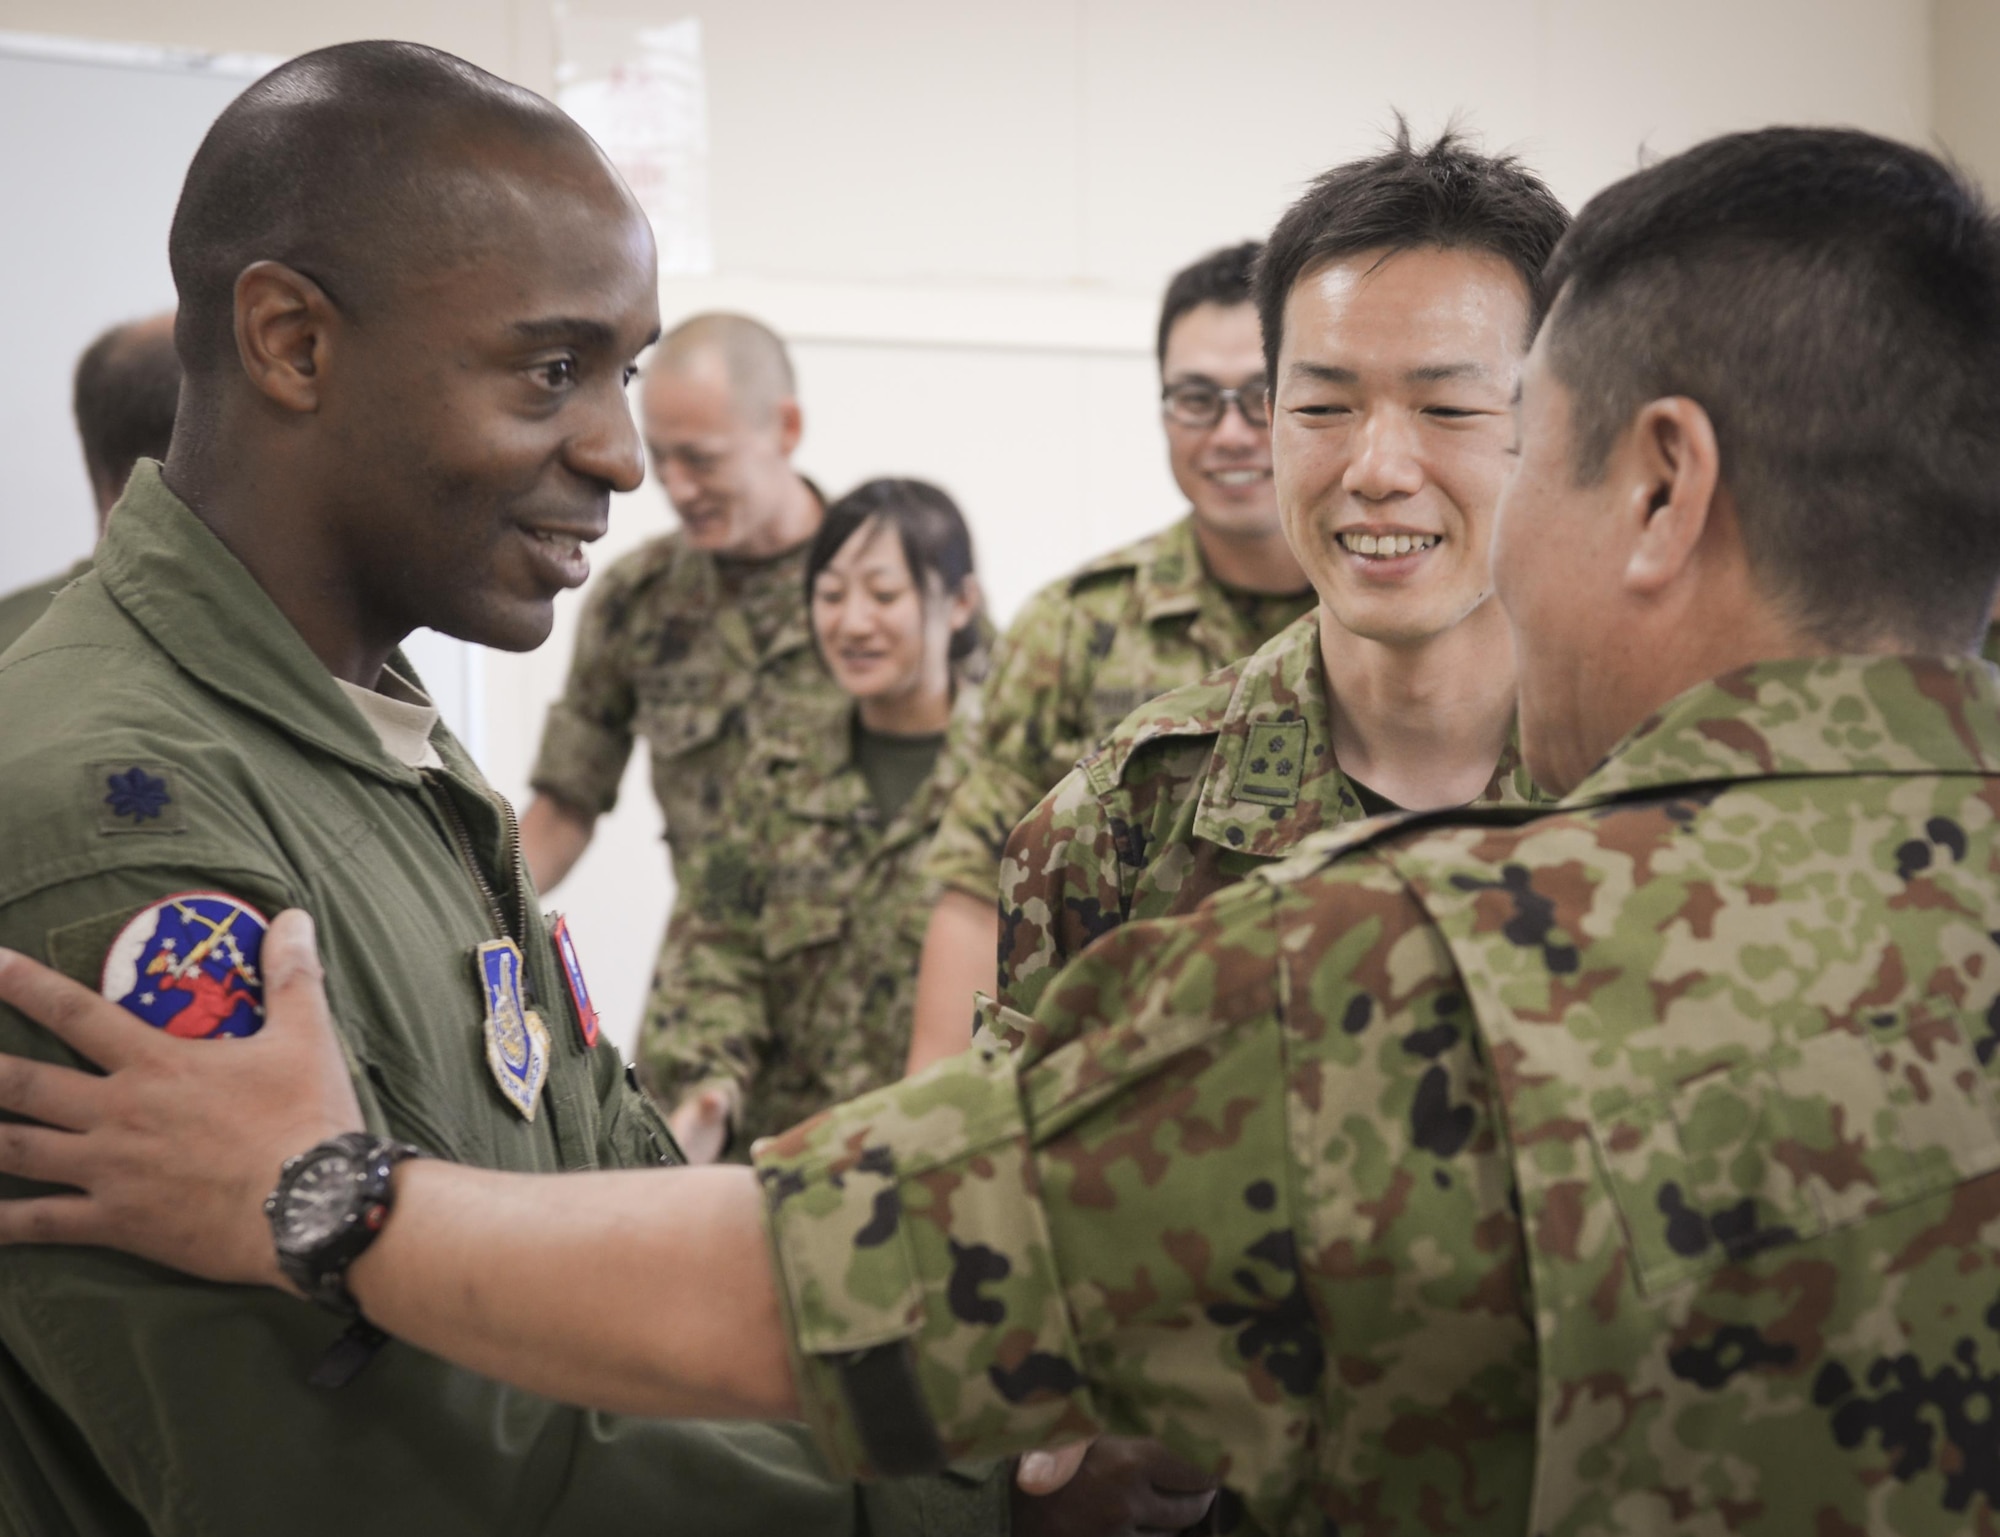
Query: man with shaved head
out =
(411, 297)
(698, 639)
(127, 383)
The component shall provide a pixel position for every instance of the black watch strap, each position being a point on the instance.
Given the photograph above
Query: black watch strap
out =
(321, 1270)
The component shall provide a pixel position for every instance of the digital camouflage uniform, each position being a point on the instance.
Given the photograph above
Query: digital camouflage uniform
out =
(1081, 656)
(698, 656)
(1189, 794)
(789, 970)
(203, 747)
(1631, 1167)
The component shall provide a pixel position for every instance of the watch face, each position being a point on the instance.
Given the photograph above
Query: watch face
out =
(320, 1198)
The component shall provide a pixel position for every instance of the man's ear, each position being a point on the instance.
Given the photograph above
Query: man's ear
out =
(1676, 470)
(284, 326)
(791, 426)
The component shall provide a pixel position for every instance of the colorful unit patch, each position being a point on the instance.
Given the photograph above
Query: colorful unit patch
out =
(579, 990)
(517, 1042)
(189, 965)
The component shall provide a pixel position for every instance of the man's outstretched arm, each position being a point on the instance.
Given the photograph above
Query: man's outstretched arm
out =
(902, 1272)
(547, 1281)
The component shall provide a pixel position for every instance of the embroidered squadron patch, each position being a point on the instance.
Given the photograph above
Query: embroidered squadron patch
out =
(517, 1042)
(189, 965)
(579, 990)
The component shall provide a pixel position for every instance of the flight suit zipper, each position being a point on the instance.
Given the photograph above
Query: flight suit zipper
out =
(461, 839)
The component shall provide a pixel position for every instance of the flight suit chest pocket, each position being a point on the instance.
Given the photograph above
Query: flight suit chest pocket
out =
(1810, 1139)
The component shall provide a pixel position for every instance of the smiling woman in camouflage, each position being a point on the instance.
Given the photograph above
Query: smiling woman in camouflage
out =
(786, 980)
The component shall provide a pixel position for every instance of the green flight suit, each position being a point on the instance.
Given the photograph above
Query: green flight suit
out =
(1188, 794)
(789, 972)
(22, 607)
(699, 656)
(135, 1400)
(1081, 656)
(1629, 1166)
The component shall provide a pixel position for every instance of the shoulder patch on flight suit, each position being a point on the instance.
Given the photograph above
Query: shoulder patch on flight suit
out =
(131, 796)
(1273, 764)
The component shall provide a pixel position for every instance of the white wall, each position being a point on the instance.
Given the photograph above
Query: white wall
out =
(963, 217)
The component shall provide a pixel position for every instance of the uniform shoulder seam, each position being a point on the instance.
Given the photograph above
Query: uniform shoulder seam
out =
(1191, 713)
(1126, 558)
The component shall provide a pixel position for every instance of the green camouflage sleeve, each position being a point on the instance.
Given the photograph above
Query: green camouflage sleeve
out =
(1022, 732)
(588, 735)
(706, 1020)
(989, 1256)
(1069, 873)
(1061, 886)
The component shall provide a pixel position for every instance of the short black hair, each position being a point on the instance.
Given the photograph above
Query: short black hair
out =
(340, 163)
(1446, 195)
(1832, 300)
(932, 531)
(1221, 277)
(128, 383)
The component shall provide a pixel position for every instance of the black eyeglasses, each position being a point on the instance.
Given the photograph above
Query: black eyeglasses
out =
(1196, 403)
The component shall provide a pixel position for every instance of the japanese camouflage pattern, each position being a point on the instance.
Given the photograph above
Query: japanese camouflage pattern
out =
(1080, 657)
(698, 666)
(789, 970)
(1629, 1167)
(1187, 795)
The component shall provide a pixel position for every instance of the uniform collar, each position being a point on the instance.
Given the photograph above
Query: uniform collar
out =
(182, 586)
(731, 627)
(1171, 581)
(1272, 779)
(827, 785)
(1809, 716)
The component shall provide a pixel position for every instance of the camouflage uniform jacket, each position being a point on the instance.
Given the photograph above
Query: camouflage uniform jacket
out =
(1082, 655)
(1630, 1167)
(1189, 794)
(789, 970)
(665, 653)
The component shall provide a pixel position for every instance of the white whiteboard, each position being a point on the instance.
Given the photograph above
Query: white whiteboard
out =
(97, 140)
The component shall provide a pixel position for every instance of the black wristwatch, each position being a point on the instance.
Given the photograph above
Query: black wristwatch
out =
(330, 1203)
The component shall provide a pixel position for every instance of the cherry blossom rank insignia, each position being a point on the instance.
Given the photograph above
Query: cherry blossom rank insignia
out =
(190, 965)
(579, 990)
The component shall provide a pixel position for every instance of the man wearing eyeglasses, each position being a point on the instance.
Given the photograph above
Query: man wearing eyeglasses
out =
(1403, 284)
(1130, 625)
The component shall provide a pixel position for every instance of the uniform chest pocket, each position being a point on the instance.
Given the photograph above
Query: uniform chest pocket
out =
(674, 730)
(798, 920)
(1808, 1140)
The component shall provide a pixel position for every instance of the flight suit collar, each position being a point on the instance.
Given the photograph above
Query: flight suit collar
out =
(1838, 715)
(1272, 779)
(182, 586)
